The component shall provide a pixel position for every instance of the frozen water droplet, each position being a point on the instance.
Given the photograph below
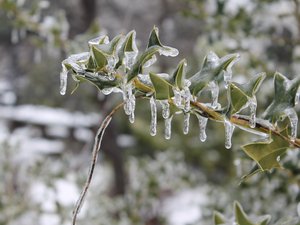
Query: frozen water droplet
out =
(168, 51)
(131, 117)
(130, 59)
(229, 127)
(278, 159)
(297, 97)
(177, 96)
(292, 115)
(252, 105)
(14, 38)
(168, 127)
(63, 80)
(153, 116)
(214, 89)
(202, 125)
(107, 91)
(150, 62)
(165, 108)
(186, 123)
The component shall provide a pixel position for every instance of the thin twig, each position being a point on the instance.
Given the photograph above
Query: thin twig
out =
(96, 149)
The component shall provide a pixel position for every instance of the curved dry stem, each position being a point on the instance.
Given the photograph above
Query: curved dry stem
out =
(96, 149)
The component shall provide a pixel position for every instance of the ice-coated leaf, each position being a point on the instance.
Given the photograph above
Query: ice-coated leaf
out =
(218, 218)
(178, 76)
(212, 69)
(284, 97)
(266, 153)
(102, 39)
(154, 46)
(241, 93)
(161, 87)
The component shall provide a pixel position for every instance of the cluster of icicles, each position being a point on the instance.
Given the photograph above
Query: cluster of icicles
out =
(181, 99)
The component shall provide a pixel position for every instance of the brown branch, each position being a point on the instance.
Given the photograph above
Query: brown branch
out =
(96, 149)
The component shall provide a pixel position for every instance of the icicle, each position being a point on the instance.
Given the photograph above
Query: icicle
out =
(63, 80)
(165, 108)
(107, 91)
(14, 36)
(297, 97)
(186, 123)
(153, 117)
(214, 89)
(127, 97)
(227, 77)
(202, 125)
(252, 103)
(168, 127)
(132, 116)
(150, 62)
(186, 96)
(228, 133)
(177, 96)
(292, 115)
(129, 59)
(168, 51)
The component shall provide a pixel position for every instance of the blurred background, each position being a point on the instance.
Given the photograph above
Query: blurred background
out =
(46, 139)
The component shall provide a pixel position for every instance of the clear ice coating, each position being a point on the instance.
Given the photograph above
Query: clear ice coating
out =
(212, 59)
(292, 115)
(177, 96)
(168, 51)
(130, 58)
(165, 108)
(229, 127)
(150, 62)
(63, 80)
(214, 89)
(186, 123)
(252, 105)
(153, 116)
(228, 72)
(103, 39)
(168, 127)
(111, 63)
(202, 126)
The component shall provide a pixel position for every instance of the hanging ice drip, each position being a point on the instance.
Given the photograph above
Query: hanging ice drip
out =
(153, 122)
(168, 127)
(214, 89)
(186, 97)
(229, 128)
(129, 101)
(202, 126)
(63, 80)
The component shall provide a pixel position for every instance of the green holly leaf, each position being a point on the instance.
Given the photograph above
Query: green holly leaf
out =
(212, 69)
(179, 74)
(218, 218)
(284, 97)
(98, 58)
(154, 46)
(242, 219)
(266, 153)
(241, 93)
(161, 87)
